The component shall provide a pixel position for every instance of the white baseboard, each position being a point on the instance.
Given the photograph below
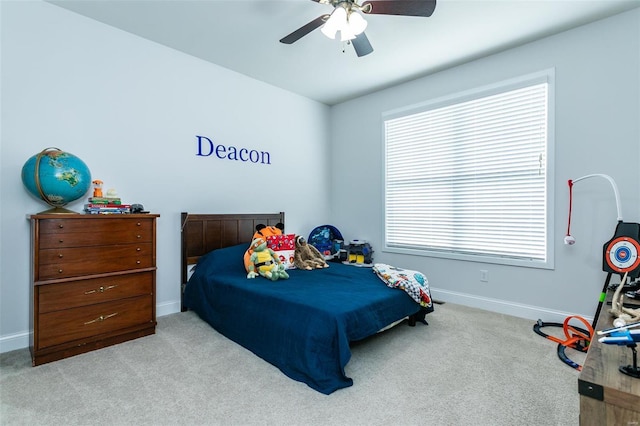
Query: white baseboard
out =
(13, 342)
(530, 312)
(167, 308)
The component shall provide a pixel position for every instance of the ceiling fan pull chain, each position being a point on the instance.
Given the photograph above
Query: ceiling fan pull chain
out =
(344, 45)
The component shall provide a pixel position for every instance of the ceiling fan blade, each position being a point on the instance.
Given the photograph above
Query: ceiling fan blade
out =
(400, 7)
(361, 45)
(304, 30)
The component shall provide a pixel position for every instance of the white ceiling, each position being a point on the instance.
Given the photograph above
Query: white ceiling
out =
(242, 35)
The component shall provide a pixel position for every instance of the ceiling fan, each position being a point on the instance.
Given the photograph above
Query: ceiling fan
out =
(347, 19)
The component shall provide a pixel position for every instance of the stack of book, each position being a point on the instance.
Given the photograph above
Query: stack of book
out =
(105, 205)
(105, 200)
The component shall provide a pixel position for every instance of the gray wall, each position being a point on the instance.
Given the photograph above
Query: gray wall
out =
(596, 131)
(131, 109)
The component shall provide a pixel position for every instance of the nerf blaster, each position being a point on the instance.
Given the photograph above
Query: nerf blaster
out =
(626, 335)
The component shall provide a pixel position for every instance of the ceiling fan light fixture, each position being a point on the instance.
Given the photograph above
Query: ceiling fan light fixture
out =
(336, 22)
(346, 34)
(329, 31)
(357, 24)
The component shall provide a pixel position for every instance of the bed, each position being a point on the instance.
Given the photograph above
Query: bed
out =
(302, 325)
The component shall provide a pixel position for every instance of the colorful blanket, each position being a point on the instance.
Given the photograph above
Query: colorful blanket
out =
(414, 283)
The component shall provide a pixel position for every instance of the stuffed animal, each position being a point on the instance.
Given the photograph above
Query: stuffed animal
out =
(262, 231)
(307, 256)
(265, 262)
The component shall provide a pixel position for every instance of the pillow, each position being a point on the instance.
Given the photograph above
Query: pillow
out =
(228, 259)
(285, 247)
(226, 255)
(190, 269)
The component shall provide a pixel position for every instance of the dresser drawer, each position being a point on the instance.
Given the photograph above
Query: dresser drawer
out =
(64, 326)
(73, 262)
(93, 225)
(57, 233)
(55, 297)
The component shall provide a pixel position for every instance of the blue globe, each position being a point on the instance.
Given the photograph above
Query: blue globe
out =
(56, 177)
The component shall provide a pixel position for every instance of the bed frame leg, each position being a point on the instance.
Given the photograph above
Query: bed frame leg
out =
(418, 317)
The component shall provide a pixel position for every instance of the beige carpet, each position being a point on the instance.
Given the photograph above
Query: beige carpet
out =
(468, 367)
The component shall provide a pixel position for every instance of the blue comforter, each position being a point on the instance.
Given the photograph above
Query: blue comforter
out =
(302, 325)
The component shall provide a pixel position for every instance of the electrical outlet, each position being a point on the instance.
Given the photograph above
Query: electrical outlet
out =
(484, 276)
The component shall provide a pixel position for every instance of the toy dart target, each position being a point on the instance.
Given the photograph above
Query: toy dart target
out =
(621, 252)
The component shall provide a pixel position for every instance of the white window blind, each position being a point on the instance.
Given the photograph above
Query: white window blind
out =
(470, 177)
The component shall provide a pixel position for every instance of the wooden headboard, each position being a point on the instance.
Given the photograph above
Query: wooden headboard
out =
(202, 233)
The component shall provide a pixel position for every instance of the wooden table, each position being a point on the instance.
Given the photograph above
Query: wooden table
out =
(607, 396)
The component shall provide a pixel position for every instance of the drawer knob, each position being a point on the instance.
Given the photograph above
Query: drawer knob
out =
(138, 224)
(101, 289)
(138, 249)
(138, 236)
(101, 318)
(138, 262)
(61, 226)
(61, 241)
(59, 271)
(60, 255)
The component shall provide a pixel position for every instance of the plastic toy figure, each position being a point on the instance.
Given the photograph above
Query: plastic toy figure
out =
(97, 188)
(625, 335)
(360, 252)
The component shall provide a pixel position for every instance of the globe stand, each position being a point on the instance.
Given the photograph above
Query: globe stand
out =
(58, 210)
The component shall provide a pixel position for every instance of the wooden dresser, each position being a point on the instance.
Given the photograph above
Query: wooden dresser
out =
(607, 396)
(93, 282)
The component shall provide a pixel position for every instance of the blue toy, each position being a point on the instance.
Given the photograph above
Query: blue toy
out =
(626, 335)
(327, 239)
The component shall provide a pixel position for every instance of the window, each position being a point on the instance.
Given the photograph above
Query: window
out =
(468, 177)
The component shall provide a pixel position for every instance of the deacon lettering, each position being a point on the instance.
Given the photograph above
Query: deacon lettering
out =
(206, 147)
